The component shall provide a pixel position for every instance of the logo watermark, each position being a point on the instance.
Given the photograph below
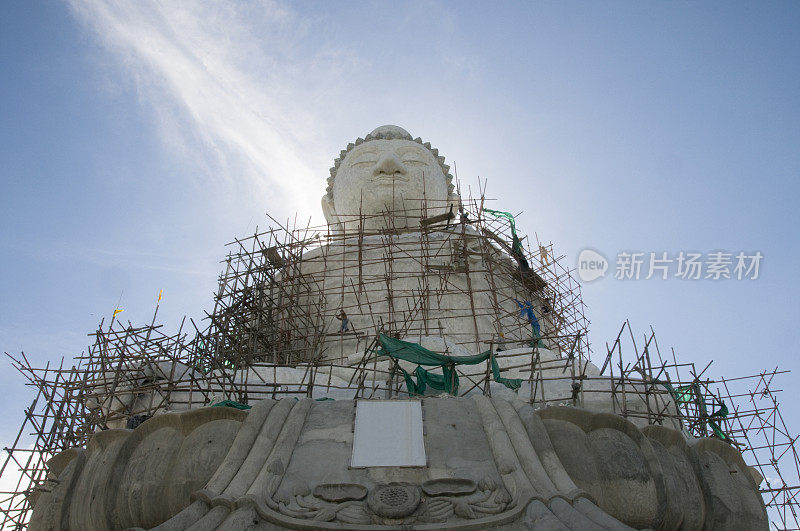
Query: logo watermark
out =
(591, 265)
(684, 265)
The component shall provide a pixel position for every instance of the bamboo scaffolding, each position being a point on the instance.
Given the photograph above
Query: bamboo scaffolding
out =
(270, 314)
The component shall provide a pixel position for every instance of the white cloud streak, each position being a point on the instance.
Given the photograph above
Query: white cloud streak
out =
(232, 84)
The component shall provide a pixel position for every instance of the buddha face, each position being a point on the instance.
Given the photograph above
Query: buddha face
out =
(392, 183)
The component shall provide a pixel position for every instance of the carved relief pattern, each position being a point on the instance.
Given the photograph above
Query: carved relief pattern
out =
(477, 501)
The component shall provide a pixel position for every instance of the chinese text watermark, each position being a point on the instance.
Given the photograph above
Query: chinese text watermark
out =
(684, 265)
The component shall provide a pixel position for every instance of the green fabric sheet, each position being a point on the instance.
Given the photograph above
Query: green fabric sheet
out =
(232, 403)
(686, 393)
(448, 380)
(516, 245)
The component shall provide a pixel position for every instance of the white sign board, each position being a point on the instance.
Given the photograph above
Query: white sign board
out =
(388, 433)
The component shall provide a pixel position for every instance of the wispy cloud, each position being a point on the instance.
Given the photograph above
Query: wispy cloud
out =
(235, 84)
(131, 258)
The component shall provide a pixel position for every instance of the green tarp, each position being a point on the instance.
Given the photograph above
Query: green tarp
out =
(231, 403)
(686, 393)
(448, 380)
(680, 394)
(443, 382)
(516, 246)
(722, 412)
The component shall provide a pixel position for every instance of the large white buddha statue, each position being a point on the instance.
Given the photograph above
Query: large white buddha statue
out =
(388, 267)
(401, 260)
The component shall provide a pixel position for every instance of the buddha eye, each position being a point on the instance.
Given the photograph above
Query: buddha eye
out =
(365, 161)
(414, 162)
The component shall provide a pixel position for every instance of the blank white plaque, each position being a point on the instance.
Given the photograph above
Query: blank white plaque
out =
(388, 433)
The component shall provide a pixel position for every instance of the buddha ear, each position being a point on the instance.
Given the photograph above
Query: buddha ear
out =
(330, 213)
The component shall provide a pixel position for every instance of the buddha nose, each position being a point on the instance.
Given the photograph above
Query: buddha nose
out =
(389, 164)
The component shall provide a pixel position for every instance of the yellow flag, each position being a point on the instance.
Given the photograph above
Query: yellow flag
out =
(159, 295)
(118, 311)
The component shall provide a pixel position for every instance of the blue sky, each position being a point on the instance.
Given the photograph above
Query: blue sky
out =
(138, 138)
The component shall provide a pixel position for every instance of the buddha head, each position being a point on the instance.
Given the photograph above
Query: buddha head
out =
(387, 180)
